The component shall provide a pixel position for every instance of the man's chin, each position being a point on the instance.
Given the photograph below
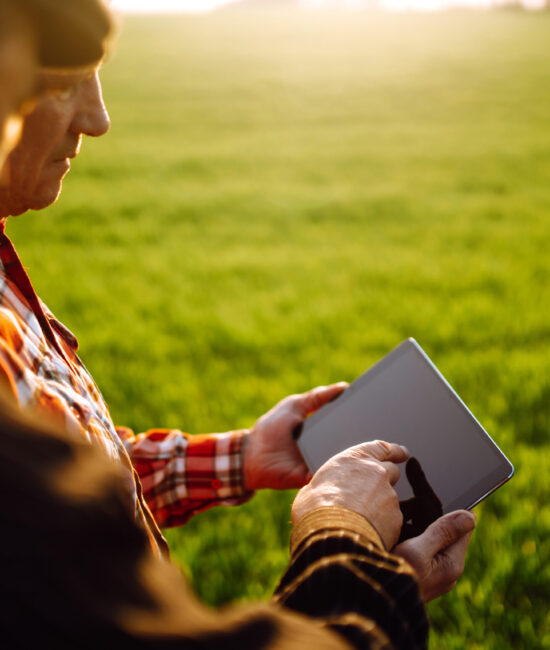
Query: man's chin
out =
(44, 201)
(38, 201)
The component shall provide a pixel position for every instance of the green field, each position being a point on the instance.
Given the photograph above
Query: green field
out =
(282, 199)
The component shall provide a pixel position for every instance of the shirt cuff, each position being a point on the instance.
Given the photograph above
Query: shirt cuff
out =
(335, 518)
(228, 480)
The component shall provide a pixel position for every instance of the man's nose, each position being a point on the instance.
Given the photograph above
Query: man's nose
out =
(91, 116)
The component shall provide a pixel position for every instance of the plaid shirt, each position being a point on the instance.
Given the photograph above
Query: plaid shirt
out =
(171, 474)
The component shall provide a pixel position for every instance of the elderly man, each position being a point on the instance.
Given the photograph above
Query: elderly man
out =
(179, 475)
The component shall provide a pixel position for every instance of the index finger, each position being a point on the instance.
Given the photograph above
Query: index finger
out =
(384, 451)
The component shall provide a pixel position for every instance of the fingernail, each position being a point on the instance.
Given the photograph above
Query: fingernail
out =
(466, 521)
(404, 449)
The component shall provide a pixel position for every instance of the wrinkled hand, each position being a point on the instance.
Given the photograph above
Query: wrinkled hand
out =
(271, 456)
(361, 479)
(438, 554)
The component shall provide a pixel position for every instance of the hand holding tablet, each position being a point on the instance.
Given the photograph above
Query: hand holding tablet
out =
(404, 399)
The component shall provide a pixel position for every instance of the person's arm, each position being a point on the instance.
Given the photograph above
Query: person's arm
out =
(341, 575)
(181, 474)
(184, 474)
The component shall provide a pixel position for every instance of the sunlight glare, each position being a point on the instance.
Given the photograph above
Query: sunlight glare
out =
(200, 6)
(167, 6)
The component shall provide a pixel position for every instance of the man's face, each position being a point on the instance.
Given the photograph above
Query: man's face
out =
(71, 105)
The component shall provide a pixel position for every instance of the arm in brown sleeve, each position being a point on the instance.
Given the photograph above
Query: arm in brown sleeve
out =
(341, 575)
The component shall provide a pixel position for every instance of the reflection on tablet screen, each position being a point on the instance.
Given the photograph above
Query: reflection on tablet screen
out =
(423, 507)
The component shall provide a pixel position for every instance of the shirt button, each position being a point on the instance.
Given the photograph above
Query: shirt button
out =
(216, 483)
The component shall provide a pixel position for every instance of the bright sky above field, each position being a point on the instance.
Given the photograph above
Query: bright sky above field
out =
(155, 6)
(199, 6)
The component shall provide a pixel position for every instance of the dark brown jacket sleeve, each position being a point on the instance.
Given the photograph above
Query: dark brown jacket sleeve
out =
(341, 575)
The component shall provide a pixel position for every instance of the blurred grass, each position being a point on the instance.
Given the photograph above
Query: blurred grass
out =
(282, 199)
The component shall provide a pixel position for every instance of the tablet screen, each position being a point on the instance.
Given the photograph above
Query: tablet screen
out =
(405, 399)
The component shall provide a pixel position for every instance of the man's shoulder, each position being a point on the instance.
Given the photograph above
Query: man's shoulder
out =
(15, 312)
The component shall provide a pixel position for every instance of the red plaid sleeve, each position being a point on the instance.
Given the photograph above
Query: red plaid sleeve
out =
(183, 475)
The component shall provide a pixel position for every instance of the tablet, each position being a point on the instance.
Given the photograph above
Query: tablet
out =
(454, 463)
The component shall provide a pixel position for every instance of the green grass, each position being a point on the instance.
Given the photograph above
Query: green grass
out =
(282, 199)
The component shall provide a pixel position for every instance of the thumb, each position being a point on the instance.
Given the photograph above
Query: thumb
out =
(447, 530)
(313, 400)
